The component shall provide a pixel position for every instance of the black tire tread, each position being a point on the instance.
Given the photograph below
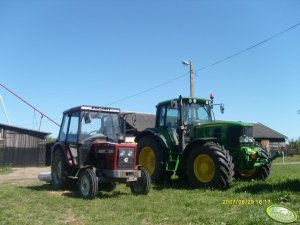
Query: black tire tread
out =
(93, 183)
(142, 185)
(158, 175)
(223, 165)
(58, 155)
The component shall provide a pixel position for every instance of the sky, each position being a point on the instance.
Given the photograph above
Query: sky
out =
(128, 54)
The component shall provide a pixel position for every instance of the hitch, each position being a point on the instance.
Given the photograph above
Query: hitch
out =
(263, 162)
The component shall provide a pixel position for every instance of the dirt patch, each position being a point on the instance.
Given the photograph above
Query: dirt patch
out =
(25, 174)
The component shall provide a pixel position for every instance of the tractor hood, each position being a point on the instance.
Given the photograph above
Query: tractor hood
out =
(226, 131)
(226, 123)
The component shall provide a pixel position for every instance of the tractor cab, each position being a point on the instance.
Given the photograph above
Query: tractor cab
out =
(88, 123)
(178, 117)
(83, 125)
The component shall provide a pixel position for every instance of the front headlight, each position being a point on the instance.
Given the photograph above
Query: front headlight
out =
(246, 139)
(126, 152)
(122, 152)
(130, 153)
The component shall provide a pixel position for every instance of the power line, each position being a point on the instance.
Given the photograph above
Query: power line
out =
(149, 89)
(249, 48)
(208, 66)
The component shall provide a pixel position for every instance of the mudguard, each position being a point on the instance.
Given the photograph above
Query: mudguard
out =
(152, 131)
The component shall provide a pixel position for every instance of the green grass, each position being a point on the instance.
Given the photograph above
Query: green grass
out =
(288, 159)
(5, 170)
(174, 203)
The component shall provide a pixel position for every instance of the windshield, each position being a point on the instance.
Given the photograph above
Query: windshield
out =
(99, 123)
(196, 113)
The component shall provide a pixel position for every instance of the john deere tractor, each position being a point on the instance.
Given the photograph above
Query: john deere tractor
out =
(187, 141)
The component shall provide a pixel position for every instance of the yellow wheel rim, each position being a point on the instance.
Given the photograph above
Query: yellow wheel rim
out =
(204, 168)
(247, 173)
(147, 159)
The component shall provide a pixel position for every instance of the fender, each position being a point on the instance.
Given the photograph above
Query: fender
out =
(152, 131)
(197, 141)
(61, 146)
(49, 146)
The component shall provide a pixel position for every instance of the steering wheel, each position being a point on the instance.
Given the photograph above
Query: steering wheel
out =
(93, 131)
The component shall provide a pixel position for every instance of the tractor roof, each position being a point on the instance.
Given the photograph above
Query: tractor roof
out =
(185, 99)
(92, 108)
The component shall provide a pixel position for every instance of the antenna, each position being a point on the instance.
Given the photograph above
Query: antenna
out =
(2, 103)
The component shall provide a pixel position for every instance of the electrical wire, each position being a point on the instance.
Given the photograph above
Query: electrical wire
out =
(208, 66)
(249, 48)
(149, 89)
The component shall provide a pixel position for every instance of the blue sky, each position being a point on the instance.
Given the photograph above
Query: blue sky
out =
(60, 54)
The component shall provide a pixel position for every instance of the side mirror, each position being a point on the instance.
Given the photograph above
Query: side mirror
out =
(222, 108)
(87, 118)
(174, 104)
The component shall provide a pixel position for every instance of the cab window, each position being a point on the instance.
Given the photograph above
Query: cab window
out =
(73, 128)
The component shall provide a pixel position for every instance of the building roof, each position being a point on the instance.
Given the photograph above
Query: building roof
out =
(25, 130)
(141, 121)
(262, 131)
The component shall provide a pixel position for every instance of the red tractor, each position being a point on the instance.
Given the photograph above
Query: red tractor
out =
(90, 149)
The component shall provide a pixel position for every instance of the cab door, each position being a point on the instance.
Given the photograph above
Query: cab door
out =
(169, 120)
(69, 134)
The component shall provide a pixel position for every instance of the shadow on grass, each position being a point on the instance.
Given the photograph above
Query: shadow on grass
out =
(72, 192)
(174, 184)
(101, 194)
(256, 188)
(43, 187)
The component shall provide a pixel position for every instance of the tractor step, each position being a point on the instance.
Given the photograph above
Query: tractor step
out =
(172, 165)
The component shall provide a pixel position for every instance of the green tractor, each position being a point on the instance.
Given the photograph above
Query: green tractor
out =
(187, 141)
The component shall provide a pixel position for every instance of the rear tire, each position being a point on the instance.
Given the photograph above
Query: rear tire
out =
(210, 166)
(150, 155)
(265, 171)
(142, 185)
(59, 170)
(87, 184)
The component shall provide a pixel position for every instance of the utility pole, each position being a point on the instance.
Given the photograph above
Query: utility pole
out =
(191, 76)
(191, 79)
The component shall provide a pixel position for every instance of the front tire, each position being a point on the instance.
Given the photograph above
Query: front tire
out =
(210, 166)
(87, 184)
(257, 173)
(142, 185)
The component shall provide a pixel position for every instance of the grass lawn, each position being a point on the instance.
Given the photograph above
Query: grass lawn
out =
(288, 159)
(174, 203)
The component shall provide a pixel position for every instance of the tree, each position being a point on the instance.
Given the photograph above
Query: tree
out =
(294, 146)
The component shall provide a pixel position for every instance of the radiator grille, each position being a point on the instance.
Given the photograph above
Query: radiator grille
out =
(234, 133)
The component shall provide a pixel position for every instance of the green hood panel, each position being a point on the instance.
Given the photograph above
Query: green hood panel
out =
(225, 123)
